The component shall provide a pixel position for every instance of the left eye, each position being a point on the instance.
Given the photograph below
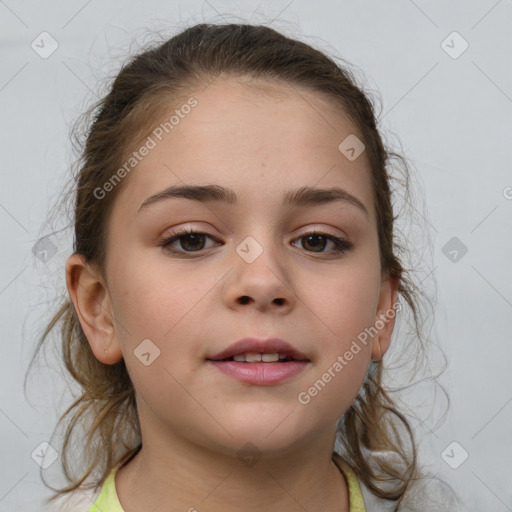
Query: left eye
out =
(319, 240)
(193, 241)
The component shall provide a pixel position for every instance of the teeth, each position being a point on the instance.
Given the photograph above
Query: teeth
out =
(254, 357)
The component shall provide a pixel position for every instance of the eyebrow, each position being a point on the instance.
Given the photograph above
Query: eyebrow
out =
(301, 197)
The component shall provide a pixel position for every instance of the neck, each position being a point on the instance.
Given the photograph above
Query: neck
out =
(190, 478)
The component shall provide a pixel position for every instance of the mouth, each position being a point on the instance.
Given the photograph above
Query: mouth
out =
(252, 350)
(260, 362)
(256, 357)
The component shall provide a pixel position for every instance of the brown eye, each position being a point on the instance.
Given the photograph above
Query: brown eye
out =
(316, 242)
(189, 241)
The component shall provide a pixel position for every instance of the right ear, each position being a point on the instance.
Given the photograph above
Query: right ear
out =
(93, 307)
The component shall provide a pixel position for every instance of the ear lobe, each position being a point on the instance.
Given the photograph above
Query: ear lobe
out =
(385, 319)
(93, 307)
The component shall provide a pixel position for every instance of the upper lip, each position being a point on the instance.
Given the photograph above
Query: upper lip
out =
(268, 346)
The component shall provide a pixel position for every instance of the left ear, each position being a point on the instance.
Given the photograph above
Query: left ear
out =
(386, 314)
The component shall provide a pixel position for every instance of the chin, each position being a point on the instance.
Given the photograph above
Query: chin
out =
(270, 432)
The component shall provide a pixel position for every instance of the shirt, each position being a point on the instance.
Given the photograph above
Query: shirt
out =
(108, 501)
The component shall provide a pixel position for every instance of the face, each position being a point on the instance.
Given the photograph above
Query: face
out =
(256, 269)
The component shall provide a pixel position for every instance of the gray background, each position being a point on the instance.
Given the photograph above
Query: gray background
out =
(452, 114)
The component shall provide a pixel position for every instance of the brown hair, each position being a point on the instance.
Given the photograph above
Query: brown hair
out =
(158, 76)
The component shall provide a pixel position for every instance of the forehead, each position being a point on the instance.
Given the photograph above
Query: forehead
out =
(259, 137)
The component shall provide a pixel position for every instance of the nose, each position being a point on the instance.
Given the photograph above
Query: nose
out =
(263, 283)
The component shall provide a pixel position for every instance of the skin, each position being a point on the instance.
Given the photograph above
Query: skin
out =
(260, 140)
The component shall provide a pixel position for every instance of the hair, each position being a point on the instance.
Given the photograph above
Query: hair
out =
(158, 77)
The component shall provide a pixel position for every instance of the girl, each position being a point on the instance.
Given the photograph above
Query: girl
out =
(234, 287)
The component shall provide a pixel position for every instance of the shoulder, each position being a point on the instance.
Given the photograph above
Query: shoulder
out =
(428, 494)
(100, 499)
(80, 501)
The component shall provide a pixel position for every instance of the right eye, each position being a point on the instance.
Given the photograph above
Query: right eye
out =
(190, 240)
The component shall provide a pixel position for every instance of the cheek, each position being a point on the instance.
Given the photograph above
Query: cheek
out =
(169, 311)
(347, 302)
(150, 307)
(347, 312)
(340, 373)
(149, 301)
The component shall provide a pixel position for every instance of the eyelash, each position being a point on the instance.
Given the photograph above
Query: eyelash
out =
(341, 244)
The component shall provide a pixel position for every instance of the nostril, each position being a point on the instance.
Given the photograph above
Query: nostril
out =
(244, 299)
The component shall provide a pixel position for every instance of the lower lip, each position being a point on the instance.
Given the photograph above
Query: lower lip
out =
(260, 374)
